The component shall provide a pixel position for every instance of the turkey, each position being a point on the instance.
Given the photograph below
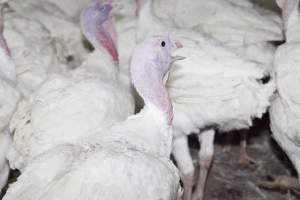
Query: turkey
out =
(285, 109)
(229, 21)
(248, 35)
(237, 24)
(129, 160)
(32, 50)
(67, 108)
(8, 101)
(212, 89)
(70, 47)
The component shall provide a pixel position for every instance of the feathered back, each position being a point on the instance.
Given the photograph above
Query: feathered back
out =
(214, 86)
(228, 21)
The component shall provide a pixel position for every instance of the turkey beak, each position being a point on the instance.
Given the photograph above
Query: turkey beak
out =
(175, 58)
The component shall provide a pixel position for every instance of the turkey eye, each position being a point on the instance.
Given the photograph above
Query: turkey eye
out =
(163, 43)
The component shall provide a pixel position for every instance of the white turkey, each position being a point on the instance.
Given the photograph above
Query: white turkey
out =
(32, 50)
(285, 108)
(229, 21)
(65, 31)
(67, 108)
(212, 89)
(9, 97)
(237, 24)
(128, 161)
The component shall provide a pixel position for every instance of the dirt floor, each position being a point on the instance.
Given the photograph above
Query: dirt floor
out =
(228, 180)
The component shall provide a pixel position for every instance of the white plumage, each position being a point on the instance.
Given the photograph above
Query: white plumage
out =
(126, 29)
(69, 107)
(239, 25)
(71, 8)
(64, 30)
(32, 50)
(229, 21)
(118, 164)
(125, 8)
(212, 89)
(284, 112)
(129, 160)
(68, 138)
(9, 97)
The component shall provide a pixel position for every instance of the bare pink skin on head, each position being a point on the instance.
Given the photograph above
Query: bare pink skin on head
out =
(111, 29)
(98, 27)
(149, 84)
(151, 60)
(109, 26)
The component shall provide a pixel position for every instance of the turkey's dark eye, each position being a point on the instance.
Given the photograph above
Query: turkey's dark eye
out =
(163, 43)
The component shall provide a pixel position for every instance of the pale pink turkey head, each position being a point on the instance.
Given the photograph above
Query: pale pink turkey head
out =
(151, 60)
(98, 27)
